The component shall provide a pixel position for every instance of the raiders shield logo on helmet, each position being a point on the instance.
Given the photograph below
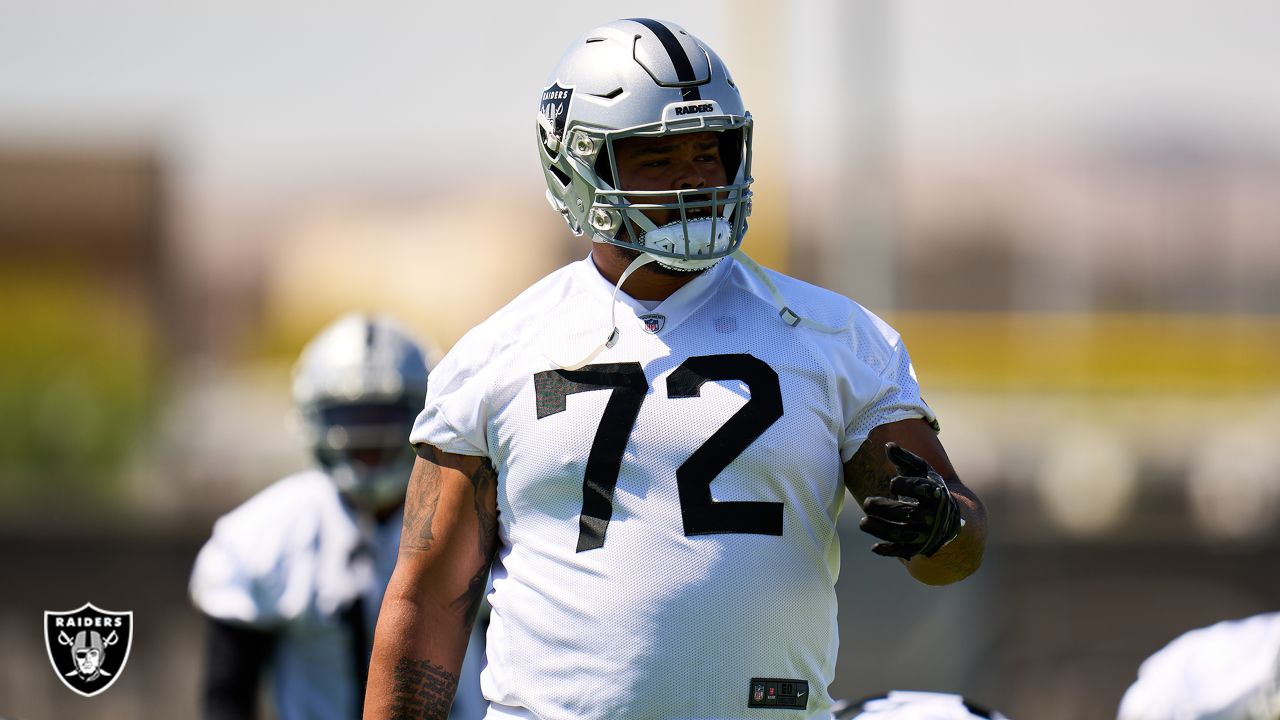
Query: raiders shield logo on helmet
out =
(553, 113)
(88, 647)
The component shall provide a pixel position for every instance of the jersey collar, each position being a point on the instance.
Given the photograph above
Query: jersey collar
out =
(676, 307)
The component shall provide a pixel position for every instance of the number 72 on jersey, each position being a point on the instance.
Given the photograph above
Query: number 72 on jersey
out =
(628, 389)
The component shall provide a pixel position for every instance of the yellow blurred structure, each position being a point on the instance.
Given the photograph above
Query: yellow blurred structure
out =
(1094, 353)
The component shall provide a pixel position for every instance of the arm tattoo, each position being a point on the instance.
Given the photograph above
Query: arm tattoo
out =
(422, 691)
(484, 483)
(420, 505)
(469, 601)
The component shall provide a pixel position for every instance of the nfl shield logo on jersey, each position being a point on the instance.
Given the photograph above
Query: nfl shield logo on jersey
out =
(88, 647)
(653, 322)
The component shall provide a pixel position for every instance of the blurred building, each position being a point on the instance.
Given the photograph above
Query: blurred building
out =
(88, 333)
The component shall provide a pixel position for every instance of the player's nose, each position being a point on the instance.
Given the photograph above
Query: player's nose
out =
(690, 175)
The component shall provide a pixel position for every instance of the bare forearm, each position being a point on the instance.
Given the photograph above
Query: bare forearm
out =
(446, 546)
(417, 655)
(870, 473)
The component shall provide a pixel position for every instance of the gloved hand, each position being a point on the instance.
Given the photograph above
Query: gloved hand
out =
(921, 518)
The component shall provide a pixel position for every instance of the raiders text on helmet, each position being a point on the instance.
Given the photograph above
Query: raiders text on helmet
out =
(644, 78)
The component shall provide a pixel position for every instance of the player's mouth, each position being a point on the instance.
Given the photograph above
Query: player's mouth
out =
(692, 213)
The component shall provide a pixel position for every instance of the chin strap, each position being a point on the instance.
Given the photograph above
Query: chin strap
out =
(788, 315)
(641, 260)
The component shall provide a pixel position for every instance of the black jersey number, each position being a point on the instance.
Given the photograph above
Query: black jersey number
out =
(701, 514)
(627, 382)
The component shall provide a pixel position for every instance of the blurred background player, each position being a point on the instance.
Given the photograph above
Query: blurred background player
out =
(903, 705)
(1226, 671)
(291, 581)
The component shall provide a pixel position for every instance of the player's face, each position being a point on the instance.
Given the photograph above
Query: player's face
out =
(672, 162)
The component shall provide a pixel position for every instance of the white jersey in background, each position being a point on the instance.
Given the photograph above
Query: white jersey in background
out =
(293, 561)
(1227, 671)
(910, 705)
(667, 512)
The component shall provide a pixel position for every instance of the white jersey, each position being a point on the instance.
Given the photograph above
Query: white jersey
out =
(294, 560)
(667, 513)
(1227, 671)
(907, 705)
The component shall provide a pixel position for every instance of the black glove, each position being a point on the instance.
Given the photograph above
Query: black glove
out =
(922, 518)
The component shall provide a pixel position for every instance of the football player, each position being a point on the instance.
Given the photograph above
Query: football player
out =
(652, 445)
(902, 705)
(291, 580)
(1227, 671)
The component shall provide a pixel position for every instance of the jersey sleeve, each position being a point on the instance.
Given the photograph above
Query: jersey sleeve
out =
(878, 383)
(255, 569)
(454, 416)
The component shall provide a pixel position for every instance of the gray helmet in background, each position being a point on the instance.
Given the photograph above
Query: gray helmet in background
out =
(358, 385)
(644, 77)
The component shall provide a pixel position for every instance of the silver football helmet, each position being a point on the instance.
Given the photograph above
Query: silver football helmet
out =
(358, 386)
(644, 77)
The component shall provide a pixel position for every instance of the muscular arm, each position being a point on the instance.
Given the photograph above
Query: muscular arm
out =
(448, 543)
(868, 473)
